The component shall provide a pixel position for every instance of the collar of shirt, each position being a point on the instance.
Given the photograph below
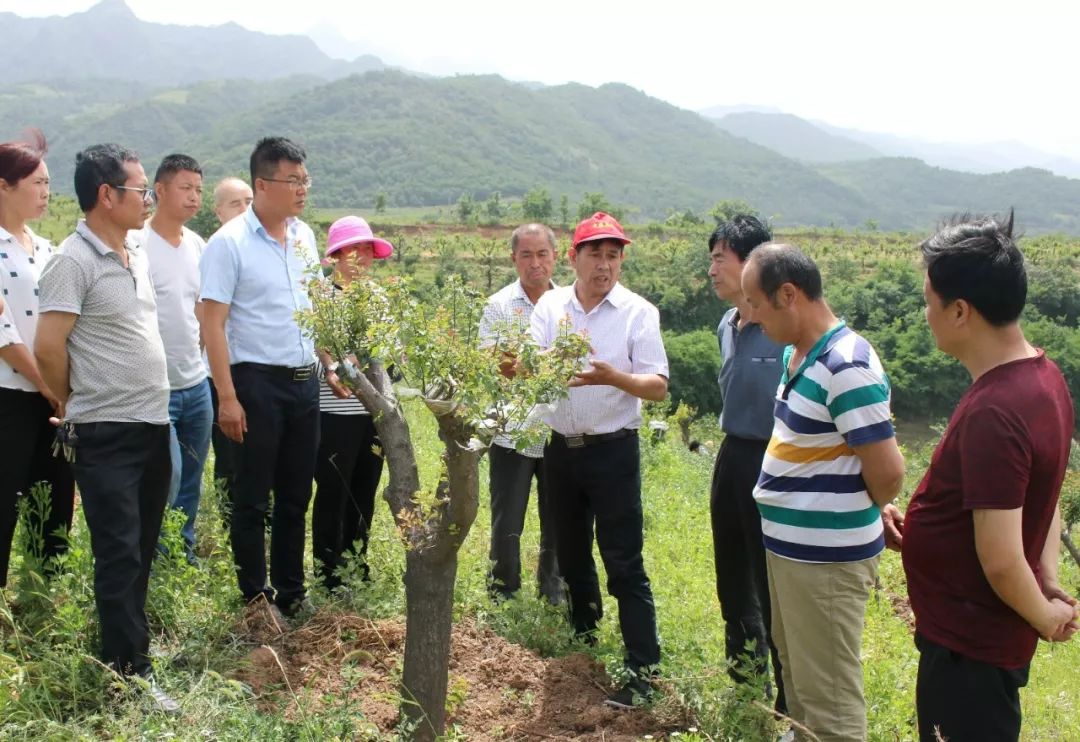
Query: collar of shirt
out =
(823, 344)
(104, 250)
(256, 226)
(616, 297)
(519, 291)
(6, 236)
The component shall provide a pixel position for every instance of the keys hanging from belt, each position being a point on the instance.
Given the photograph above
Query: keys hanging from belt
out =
(66, 440)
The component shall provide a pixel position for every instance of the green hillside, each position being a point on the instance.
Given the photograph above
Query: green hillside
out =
(426, 141)
(905, 192)
(794, 137)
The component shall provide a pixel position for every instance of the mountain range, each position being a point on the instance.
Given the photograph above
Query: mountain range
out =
(423, 140)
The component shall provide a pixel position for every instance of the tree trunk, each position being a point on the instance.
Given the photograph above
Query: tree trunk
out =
(429, 603)
(1070, 546)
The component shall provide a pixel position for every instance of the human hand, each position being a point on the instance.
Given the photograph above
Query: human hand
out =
(601, 373)
(1051, 589)
(509, 366)
(53, 400)
(1062, 621)
(339, 390)
(232, 419)
(58, 415)
(893, 521)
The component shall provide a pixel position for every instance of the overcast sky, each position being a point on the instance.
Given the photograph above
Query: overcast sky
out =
(947, 70)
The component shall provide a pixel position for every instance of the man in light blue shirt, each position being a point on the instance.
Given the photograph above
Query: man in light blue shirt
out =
(254, 275)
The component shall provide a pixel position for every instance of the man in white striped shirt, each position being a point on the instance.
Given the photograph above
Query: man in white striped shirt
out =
(532, 250)
(592, 462)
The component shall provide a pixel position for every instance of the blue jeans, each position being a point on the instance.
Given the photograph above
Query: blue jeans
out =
(190, 419)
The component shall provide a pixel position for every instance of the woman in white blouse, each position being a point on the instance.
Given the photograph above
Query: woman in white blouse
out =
(26, 402)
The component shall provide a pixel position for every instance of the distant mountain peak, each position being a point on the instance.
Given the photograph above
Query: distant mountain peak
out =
(111, 9)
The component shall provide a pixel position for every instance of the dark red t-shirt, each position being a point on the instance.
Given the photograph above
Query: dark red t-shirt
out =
(1007, 446)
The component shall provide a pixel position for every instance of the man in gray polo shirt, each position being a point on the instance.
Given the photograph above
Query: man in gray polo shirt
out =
(749, 375)
(100, 351)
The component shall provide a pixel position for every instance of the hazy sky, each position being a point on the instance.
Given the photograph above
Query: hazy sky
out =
(948, 70)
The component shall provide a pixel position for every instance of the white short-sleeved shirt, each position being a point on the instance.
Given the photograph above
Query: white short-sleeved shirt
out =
(19, 274)
(624, 330)
(175, 273)
(509, 304)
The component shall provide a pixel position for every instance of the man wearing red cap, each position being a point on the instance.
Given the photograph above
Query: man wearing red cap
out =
(592, 462)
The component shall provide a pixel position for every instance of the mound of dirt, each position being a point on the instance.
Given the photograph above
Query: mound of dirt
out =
(497, 690)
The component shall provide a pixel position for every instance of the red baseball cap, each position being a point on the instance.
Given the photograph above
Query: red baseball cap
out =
(599, 226)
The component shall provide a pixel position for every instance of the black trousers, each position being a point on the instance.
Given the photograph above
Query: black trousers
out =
(26, 439)
(601, 483)
(224, 470)
(511, 480)
(278, 453)
(347, 473)
(742, 581)
(963, 699)
(123, 470)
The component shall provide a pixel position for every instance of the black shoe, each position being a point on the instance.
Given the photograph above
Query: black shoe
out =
(291, 608)
(636, 693)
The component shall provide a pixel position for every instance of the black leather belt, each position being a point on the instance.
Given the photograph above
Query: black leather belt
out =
(300, 373)
(580, 441)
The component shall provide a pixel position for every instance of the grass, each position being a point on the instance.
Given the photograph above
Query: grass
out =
(51, 687)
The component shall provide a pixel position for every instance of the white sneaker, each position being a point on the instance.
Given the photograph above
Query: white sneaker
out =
(162, 701)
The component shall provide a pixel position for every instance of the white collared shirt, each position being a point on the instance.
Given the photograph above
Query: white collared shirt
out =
(19, 275)
(624, 330)
(509, 304)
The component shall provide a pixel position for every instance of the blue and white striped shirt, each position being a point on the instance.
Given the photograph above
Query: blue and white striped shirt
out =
(811, 494)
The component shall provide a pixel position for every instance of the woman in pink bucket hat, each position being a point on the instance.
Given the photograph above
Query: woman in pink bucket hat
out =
(347, 470)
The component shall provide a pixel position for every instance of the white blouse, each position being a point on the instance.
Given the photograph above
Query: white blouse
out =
(19, 274)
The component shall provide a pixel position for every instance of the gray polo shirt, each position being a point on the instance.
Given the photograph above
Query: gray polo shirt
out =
(749, 377)
(117, 360)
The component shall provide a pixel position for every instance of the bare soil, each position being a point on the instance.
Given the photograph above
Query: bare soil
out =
(497, 690)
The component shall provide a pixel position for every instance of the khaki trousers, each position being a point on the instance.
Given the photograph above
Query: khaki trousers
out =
(818, 611)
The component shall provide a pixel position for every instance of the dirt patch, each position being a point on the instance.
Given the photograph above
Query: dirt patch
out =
(497, 690)
(901, 607)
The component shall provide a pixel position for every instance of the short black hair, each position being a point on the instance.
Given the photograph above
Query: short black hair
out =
(272, 150)
(742, 233)
(975, 258)
(98, 165)
(173, 164)
(778, 263)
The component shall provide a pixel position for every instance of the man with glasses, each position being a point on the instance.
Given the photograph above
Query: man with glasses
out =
(100, 351)
(254, 273)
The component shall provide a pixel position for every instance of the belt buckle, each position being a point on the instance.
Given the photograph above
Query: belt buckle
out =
(575, 441)
(301, 374)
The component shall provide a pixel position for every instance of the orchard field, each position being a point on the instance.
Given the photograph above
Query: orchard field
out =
(332, 675)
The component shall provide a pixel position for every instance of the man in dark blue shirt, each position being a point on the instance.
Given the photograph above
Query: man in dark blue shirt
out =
(749, 376)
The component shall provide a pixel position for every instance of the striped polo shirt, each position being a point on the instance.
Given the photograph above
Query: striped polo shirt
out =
(811, 494)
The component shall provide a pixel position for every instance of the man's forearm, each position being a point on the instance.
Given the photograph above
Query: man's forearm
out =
(19, 357)
(52, 362)
(1015, 584)
(217, 352)
(1051, 553)
(651, 387)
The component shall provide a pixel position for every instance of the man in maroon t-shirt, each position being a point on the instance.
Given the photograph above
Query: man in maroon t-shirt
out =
(983, 530)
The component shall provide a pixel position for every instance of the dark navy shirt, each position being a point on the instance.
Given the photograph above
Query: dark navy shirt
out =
(749, 376)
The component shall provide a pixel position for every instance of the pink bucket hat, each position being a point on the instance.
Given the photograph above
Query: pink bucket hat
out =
(350, 230)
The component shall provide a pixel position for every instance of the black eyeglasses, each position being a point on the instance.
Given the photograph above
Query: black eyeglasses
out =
(293, 183)
(148, 195)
